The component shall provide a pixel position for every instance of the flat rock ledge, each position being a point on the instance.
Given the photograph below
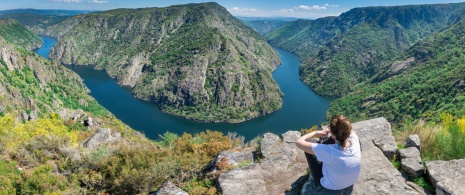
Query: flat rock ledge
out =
(282, 170)
(447, 176)
(283, 167)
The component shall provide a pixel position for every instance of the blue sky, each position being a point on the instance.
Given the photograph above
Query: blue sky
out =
(257, 8)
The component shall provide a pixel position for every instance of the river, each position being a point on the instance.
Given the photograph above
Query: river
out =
(302, 108)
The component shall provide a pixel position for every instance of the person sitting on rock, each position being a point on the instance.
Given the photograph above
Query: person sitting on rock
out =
(335, 161)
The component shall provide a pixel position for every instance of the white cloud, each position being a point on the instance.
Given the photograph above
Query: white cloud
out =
(237, 9)
(314, 7)
(297, 13)
(68, 1)
(99, 1)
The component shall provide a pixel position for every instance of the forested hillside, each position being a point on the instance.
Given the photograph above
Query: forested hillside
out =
(31, 86)
(56, 139)
(264, 25)
(38, 20)
(13, 32)
(426, 81)
(195, 60)
(338, 53)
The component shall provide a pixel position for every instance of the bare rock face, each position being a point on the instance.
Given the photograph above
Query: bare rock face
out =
(447, 176)
(413, 141)
(376, 133)
(411, 161)
(231, 158)
(169, 188)
(281, 171)
(378, 175)
(284, 167)
(102, 136)
(163, 55)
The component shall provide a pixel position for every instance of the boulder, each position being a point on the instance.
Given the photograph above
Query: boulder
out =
(411, 161)
(102, 136)
(230, 158)
(168, 188)
(376, 133)
(413, 141)
(291, 136)
(281, 171)
(447, 176)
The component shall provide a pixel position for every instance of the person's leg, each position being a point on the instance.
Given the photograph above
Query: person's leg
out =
(315, 165)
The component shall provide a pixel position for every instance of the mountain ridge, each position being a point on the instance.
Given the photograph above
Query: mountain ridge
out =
(196, 61)
(356, 45)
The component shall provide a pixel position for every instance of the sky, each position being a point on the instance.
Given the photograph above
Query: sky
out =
(252, 8)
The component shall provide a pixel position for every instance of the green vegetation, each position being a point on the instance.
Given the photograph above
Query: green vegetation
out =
(439, 141)
(339, 53)
(264, 25)
(45, 155)
(15, 33)
(34, 87)
(39, 157)
(196, 61)
(432, 85)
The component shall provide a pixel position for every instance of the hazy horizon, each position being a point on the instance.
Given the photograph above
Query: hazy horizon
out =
(242, 8)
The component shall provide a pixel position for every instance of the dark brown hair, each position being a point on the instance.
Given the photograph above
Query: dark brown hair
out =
(341, 128)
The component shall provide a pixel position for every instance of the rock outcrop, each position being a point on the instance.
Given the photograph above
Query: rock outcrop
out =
(413, 141)
(447, 176)
(102, 136)
(31, 86)
(169, 188)
(281, 170)
(196, 61)
(283, 167)
(411, 161)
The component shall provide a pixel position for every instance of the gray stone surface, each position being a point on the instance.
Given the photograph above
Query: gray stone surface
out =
(378, 175)
(447, 176)
(291, 136)
(168, 188)
(377, 131)
(281, 171)
(412, 167)
(411, 152)
(411, 161)
(413, 141)
(232, 157)
(284, 167)
(102, 136)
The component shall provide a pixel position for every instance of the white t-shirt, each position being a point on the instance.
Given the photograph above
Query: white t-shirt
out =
(340, 167)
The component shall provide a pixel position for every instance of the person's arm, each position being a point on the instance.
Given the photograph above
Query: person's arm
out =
(305, 143)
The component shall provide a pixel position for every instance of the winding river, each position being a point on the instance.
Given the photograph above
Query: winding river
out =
(302, 108)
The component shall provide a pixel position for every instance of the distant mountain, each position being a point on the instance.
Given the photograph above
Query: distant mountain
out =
(426, 81)
(37, 20)
(15, 33)
(46, 12)
(264, 25)
(339, 52)
(31, 86)
(195, 60)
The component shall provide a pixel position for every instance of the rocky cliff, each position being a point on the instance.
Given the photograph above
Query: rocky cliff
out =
(31, 86)
(283, 168)
(195, 60)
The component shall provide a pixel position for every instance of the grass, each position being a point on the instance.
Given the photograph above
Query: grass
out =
(439, 141)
